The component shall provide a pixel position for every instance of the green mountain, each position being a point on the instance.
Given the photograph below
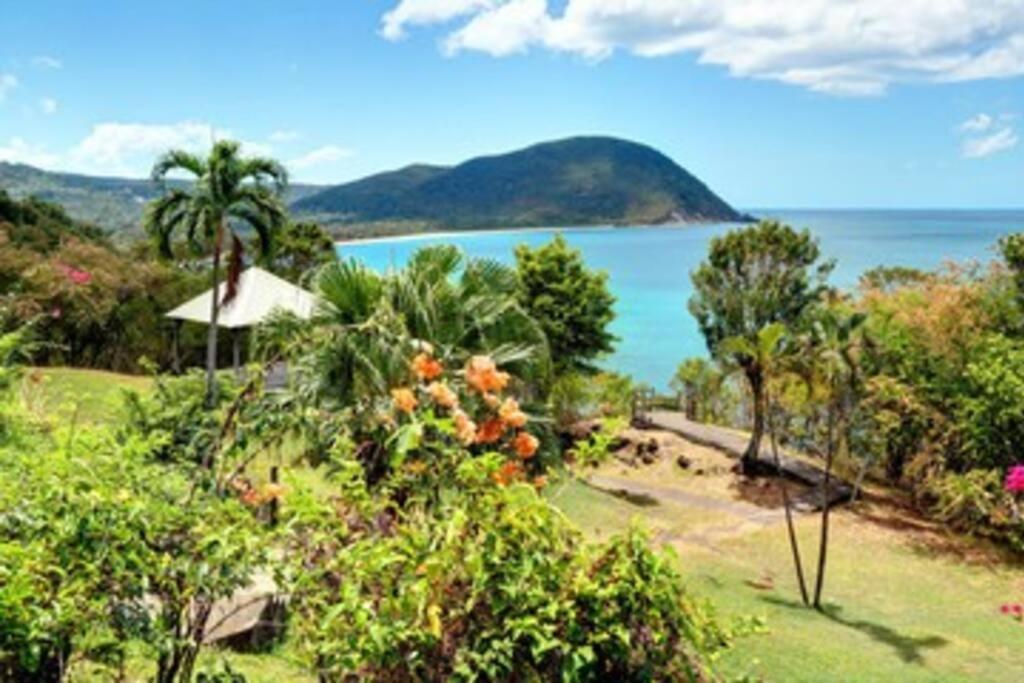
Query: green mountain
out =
(115, 204)
(577, 181)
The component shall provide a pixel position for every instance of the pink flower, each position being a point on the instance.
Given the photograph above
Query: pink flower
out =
(76, 276)
(1015, 479)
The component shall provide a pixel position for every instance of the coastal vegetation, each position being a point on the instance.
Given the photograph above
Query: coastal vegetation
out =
(451, 486)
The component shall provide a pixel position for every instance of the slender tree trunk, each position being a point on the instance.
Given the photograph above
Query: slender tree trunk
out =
(747, 462)
(211, 334)
(830, 451)
(787, 505)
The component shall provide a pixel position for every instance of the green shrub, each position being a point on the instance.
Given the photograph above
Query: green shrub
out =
(990, 409)
(99, 547)
(493, 585)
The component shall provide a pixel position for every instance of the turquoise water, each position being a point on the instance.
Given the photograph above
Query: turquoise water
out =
(649, 267)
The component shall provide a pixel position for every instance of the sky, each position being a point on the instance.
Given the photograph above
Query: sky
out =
(773, 103)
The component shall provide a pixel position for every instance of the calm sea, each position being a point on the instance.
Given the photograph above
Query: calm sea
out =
(649, 267)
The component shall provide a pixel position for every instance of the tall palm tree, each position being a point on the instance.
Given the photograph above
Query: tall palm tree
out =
(769, 351)
(229, 192)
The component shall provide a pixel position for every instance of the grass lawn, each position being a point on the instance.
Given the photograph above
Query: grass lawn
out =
(88, 396)
(904, 601)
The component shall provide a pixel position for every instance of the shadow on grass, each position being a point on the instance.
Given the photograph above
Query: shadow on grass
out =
(638, 499)
(908, 648)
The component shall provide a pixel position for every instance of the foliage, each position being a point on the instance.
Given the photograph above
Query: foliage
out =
(755, 278)
(598, 447)
(700, 382)
(93, 304)
(302, 246)
(572, 304)
(990, 409)
(228, 191)
(368, 325)
(494, 585)
(91, 537)
(575, 396)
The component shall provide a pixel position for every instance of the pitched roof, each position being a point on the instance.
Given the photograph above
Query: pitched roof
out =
(259, 293)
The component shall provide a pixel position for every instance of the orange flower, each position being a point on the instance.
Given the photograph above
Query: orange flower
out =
(490, 431)
(404, 399)
(511, 414)
(483, 375)
(507, 473)
(525, 445)
(465, 429)
(426, 368)
(540, 481)
(251, 497)
(442, 395)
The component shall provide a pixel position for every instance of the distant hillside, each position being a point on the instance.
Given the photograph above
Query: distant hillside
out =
(577, 181)
(114, 204)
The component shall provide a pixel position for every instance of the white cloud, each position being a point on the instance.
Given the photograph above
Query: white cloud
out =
(18, 151)
(841, 47)
(413, 12)
(131, 148)
(321, 155)
(977, 123)
(8, 82)
(48, 106)
(986, 145)
(283, 136)
(47, 62)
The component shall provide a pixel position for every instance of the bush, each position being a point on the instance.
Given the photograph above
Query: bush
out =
(576, 396)
(494, 585)
(98, 547)
(990, 410)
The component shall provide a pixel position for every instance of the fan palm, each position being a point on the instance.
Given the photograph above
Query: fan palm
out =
(229, 192)
(368, 323)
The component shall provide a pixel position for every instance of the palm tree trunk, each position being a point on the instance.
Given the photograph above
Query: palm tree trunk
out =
(825, 509)
(787, 505)
(211, 333)
(747, 462)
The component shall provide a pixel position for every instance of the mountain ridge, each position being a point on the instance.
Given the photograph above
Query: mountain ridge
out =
(585, 180)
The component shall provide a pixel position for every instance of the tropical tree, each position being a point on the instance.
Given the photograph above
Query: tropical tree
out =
(572, 304)
(700, 382)
(831, 359)
(301, 247)
(754, 277)
(367, 323)
(770, 351)
(229, 193)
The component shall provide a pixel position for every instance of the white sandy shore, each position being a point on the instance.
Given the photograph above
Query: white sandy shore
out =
(508, 231)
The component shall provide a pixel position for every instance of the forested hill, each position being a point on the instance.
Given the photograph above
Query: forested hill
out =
(577, 181)
(115, 204)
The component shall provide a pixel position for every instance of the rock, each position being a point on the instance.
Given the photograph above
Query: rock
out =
(684, 462)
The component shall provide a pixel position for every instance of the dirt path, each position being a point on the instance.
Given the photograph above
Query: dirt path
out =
(748, 517)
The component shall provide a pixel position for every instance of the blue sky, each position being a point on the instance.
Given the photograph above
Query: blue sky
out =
(832, 104)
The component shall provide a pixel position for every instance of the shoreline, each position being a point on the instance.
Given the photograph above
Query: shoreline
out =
(444, 234)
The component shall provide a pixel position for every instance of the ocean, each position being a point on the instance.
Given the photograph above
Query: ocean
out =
(649, 267)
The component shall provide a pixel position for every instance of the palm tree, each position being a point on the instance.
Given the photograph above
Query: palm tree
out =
(368, 323)
(769, 352)
(229, 192)
(833, 347)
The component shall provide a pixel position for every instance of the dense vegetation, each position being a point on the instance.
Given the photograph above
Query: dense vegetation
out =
(578, 181)
(115, 203)
(915, 378)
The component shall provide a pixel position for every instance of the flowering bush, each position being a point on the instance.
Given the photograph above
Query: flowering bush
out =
(417, 437)
(492, 584)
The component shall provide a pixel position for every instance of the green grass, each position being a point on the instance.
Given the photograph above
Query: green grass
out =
(896, 611)
(81, 395)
